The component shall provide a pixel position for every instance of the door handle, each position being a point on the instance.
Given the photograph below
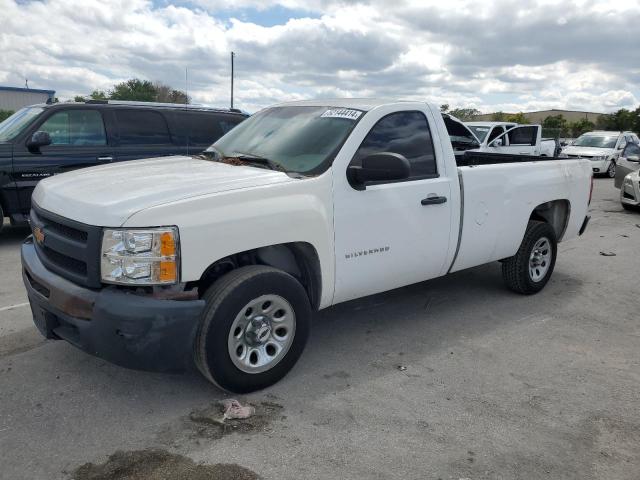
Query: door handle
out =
(434, 200)
(105, 159)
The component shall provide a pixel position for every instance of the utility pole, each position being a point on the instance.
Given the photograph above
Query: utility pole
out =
(232, 55)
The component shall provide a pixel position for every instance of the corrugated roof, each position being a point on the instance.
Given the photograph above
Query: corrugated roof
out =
(26, 90)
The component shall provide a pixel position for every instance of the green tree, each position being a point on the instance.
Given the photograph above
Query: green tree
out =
(444, 108)
(517, 118)
(499, 117)
(624, 119)
(555, 126)
(465, 114)
(98, 95)
(166, 94)
(4, 114)
(79, 99)
(605, 122)
(636, 120)
(135, 90)
(581, 126)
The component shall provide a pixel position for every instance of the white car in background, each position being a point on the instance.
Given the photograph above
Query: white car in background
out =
(602, 148)
(630, 191)
(509, 137)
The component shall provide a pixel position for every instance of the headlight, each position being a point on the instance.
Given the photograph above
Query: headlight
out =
(140, 256)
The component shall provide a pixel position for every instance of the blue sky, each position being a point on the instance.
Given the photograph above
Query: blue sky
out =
(491, 55)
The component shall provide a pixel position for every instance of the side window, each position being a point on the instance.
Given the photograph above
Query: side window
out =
(227, 123)
(523, 136)
(75, 127)
(631, 149)
(495, 133)
(142, 127)
(199, 127)
(406, 133)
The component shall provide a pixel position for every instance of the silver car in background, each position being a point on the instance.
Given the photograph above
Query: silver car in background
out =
(628, 162)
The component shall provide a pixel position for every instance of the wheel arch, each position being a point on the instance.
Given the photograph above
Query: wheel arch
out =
(299, 259)
(556, 213)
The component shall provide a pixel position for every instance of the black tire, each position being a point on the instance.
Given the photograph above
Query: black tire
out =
(515, 270)
(225, 299)
(629, 208)
(1, 218)
(611, 170)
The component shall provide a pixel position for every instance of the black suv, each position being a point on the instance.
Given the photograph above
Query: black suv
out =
(43, 140)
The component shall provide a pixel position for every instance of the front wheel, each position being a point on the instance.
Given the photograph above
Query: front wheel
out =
(254, 328)
(529, 270)
(611, 171)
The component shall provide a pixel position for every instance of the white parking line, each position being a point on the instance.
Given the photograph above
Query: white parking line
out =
(11, 307)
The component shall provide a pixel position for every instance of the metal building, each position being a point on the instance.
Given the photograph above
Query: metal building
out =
(13, 98)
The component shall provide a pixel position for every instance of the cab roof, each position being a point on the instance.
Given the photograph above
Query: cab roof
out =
(364, 104)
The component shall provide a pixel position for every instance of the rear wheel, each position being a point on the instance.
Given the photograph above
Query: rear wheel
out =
(529, 270)
(253, 329)
(611, 171)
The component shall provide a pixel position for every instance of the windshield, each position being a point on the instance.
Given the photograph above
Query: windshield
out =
(597, 141)
(299, 139)
(480, 131)
(13, 125)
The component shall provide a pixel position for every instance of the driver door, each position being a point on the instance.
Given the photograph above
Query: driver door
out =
(521, 140)
(392, 233)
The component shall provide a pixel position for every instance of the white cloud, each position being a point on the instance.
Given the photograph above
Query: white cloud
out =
(500, 54)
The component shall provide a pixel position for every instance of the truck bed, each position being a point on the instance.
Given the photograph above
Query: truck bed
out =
(499, 193)
(473, 158)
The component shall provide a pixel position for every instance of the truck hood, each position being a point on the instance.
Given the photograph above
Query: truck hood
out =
(588, 151)
(108, 195)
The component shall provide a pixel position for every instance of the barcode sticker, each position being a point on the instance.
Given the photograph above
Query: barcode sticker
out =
(342, 113)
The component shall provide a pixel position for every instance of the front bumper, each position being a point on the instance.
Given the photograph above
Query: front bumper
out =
(600, 166)
(127, 329)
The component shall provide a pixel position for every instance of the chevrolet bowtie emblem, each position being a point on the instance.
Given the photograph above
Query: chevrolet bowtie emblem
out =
(38, 234)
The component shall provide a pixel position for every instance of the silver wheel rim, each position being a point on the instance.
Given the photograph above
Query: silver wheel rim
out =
(262, 333)
(612, 170)
(540, 259)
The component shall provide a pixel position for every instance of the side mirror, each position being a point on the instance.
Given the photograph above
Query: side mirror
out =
(37, 140)
(379, 167)
(633, 158)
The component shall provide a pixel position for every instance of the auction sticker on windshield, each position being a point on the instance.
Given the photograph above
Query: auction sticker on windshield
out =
(342, 113)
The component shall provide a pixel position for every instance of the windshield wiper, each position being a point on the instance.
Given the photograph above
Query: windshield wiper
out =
(250, 158)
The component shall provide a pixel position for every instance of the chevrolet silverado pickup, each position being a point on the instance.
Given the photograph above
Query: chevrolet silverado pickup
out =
(219, 260)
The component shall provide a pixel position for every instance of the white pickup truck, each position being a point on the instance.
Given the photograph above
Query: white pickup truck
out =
(223, 257)
(506, 137)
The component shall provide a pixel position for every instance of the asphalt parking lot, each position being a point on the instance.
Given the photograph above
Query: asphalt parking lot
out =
(455, 378)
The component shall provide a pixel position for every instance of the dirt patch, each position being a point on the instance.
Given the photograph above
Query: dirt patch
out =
(209, 422)
(159, 465)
